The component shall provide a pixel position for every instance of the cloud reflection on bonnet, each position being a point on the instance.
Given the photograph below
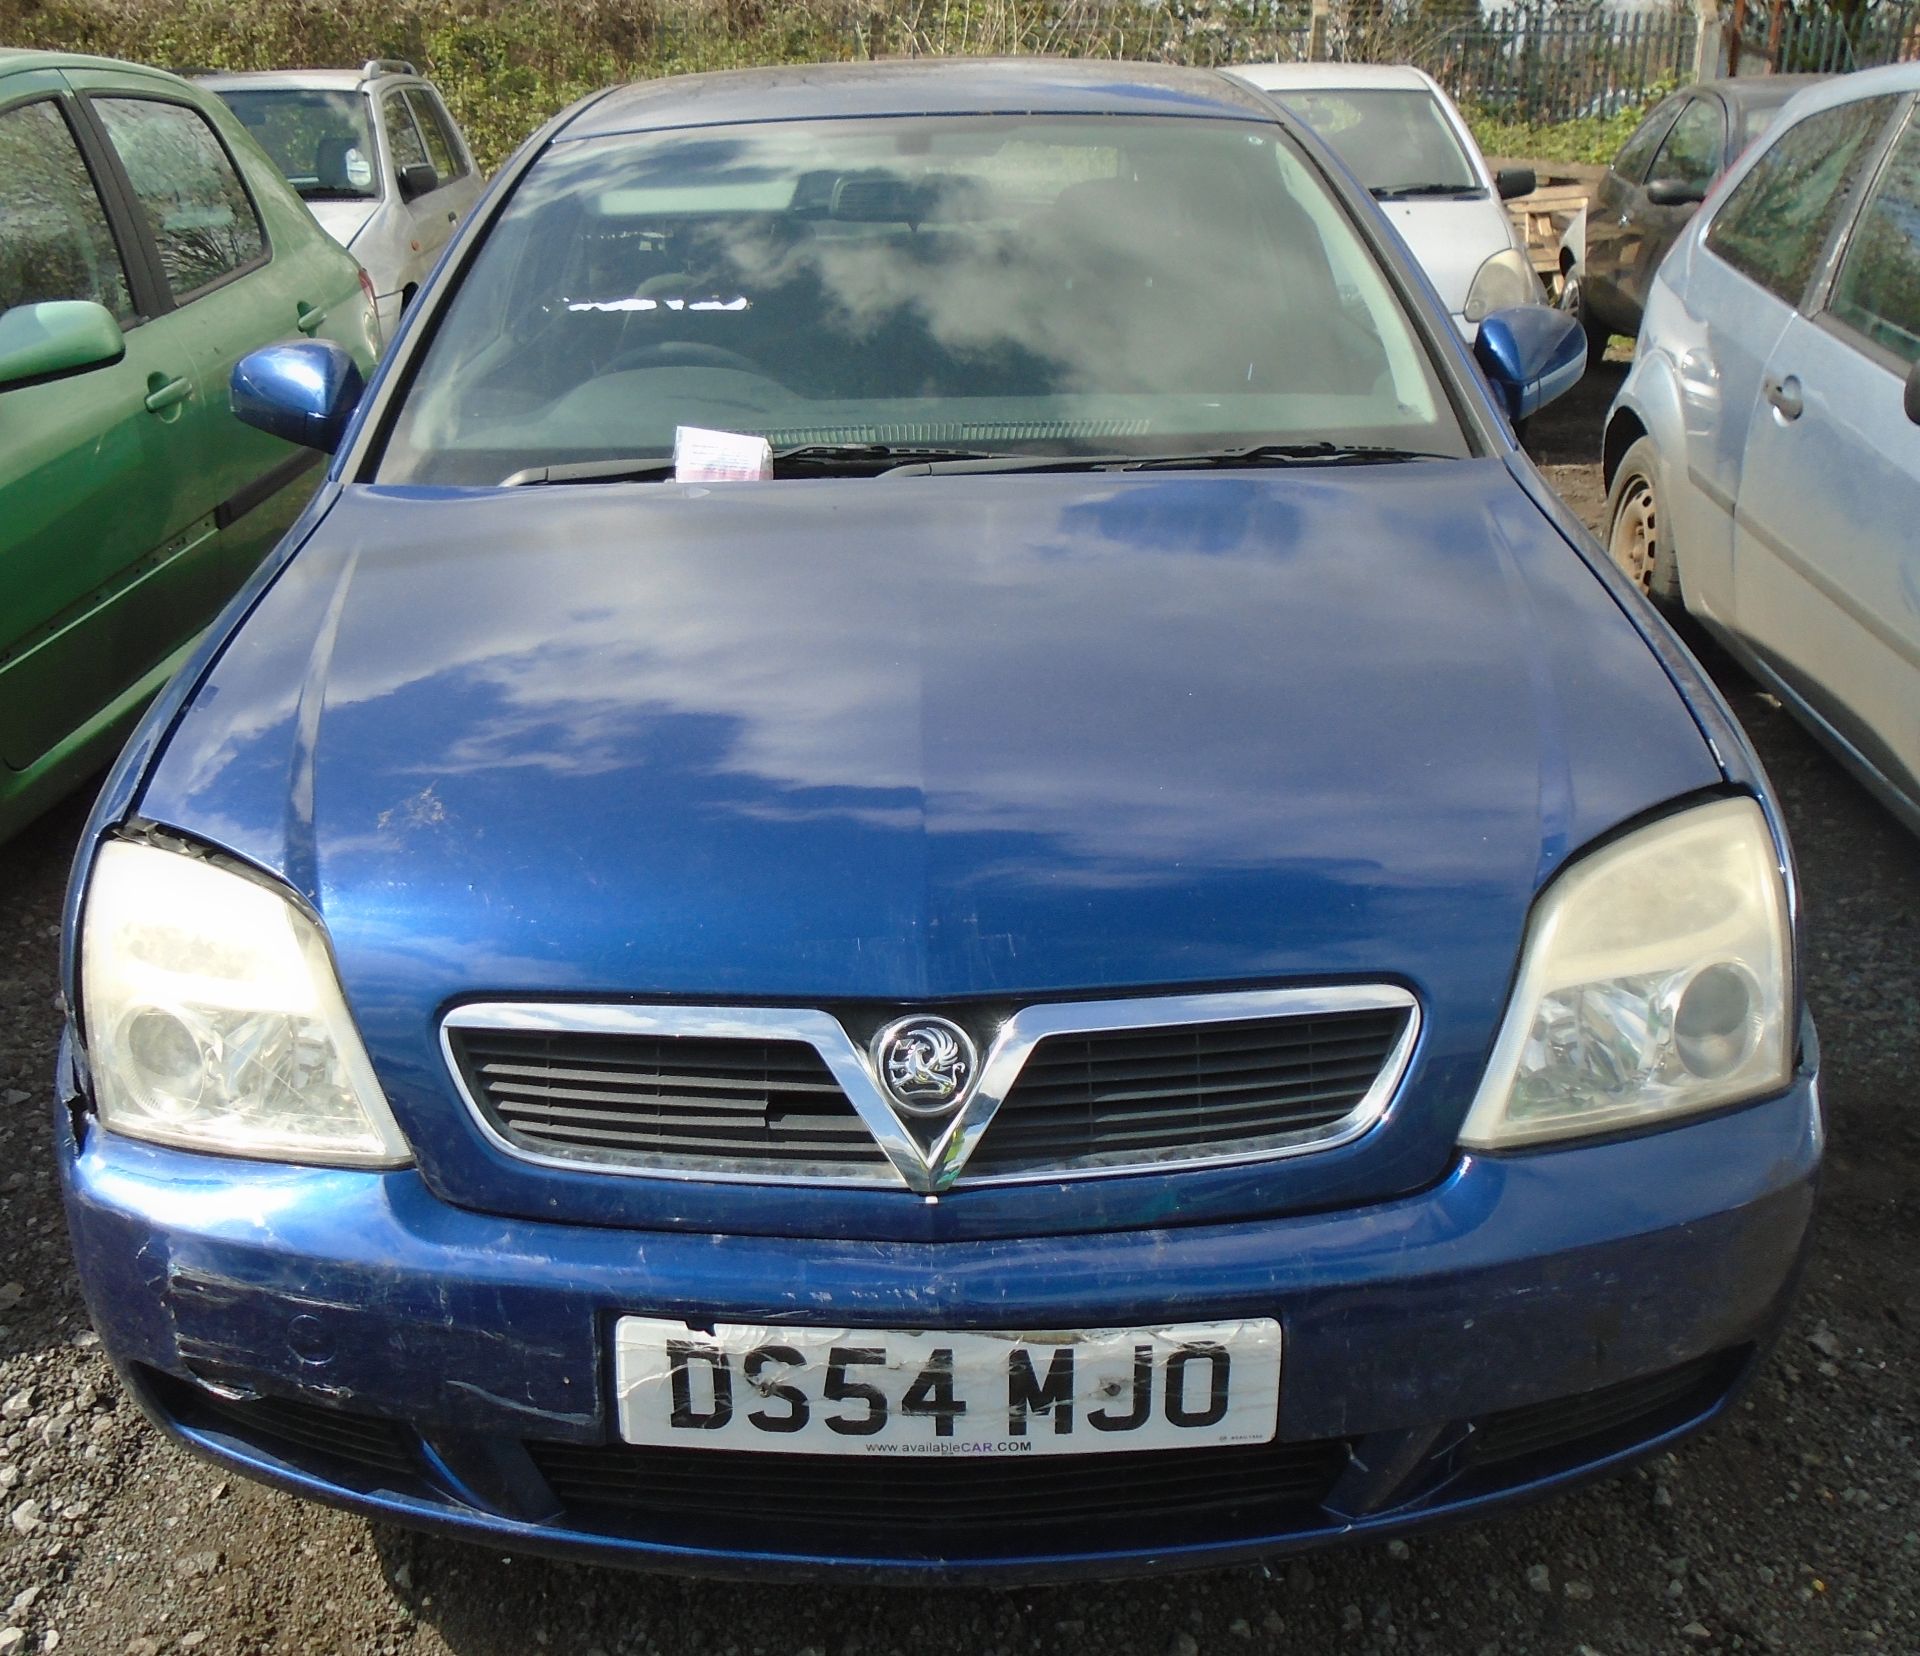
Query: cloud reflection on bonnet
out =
(770, 654)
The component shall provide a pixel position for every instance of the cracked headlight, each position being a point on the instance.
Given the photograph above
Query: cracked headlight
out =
(1504, 280)
(214, 1019)
(1656, 983)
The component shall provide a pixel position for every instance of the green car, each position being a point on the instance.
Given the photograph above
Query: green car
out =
(146, 245)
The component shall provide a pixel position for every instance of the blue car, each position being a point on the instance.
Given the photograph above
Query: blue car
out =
(933, 862)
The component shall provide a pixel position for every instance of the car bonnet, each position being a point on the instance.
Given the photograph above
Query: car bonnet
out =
(927, 738)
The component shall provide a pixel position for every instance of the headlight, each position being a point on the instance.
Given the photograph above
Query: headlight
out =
(1656, 983)
(1505, 279)
(214, 1019)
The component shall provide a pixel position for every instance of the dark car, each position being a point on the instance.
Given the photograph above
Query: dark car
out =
(1142, 956)
(1661, 175)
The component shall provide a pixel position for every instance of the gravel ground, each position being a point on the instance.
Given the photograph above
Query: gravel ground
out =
(1793, 1527)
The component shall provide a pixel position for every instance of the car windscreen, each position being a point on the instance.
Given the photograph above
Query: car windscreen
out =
(321, 141)
(1022, 285)
(1394, 142)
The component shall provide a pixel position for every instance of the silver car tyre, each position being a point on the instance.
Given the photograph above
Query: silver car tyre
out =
(1637, 539)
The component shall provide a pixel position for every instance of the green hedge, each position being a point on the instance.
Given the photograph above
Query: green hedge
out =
(506, 65)
(1592, 139)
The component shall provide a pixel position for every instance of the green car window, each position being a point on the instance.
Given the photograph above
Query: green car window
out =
(202, 219)
(1776, 220)
(57, 243)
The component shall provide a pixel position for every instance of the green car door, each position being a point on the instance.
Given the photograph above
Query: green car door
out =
(245, 264)
(132, 503)
(94, 481)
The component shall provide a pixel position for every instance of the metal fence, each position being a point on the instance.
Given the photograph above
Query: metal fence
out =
(1539, 64)
(1541, 61)
(1821, 43)
(1536, 61)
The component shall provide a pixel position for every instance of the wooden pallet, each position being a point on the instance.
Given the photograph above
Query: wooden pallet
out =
(1542, 216)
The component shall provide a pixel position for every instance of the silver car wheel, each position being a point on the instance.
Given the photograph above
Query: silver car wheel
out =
(1634, 540)
(1638, 539)
(1569, 300)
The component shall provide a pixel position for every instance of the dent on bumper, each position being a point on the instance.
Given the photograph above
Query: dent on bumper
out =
(1514, 1281)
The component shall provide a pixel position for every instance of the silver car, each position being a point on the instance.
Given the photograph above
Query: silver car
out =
(1764, 453)
(1406, 141)
(374, 153)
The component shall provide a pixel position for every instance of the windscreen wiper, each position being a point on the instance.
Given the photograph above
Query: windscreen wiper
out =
(1405, 192)
(1257, 454)
(1289, 454)
(891, 460)
(802, 459)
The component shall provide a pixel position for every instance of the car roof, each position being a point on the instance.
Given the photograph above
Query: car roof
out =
(303, 80)
(311, 80)
(1828, 91)
(1761, 91)
(918, 86)
(1276, 77)
(14, 60)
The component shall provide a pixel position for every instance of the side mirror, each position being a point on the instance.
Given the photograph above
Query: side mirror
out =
(56, 338)
(1912, 399)
(1513, 182)
(1530, 354)
(1675, 192)
(304, 390)
(417, 180)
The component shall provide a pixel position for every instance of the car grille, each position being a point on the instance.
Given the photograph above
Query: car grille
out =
(951, 1501)
(647, 1099)
(1217, 1089)
(778, 1095)
(1631, 1409)
(299, 1433)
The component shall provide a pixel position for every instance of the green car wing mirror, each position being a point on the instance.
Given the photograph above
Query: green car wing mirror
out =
(56, 338)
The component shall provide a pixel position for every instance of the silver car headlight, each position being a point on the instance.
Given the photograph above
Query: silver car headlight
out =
(214, 1018)
(1506, 278)
(1656, 983)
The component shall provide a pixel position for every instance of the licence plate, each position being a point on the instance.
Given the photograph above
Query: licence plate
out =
(867, 1391)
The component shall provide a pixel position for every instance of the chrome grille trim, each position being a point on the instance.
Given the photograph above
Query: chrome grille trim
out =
(1184, 1091)
(940, 1164)
(1033, 1024)
(600, 1098)
(718, 1023)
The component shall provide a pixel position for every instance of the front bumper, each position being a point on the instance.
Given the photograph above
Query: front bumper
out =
(1618, 1288)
